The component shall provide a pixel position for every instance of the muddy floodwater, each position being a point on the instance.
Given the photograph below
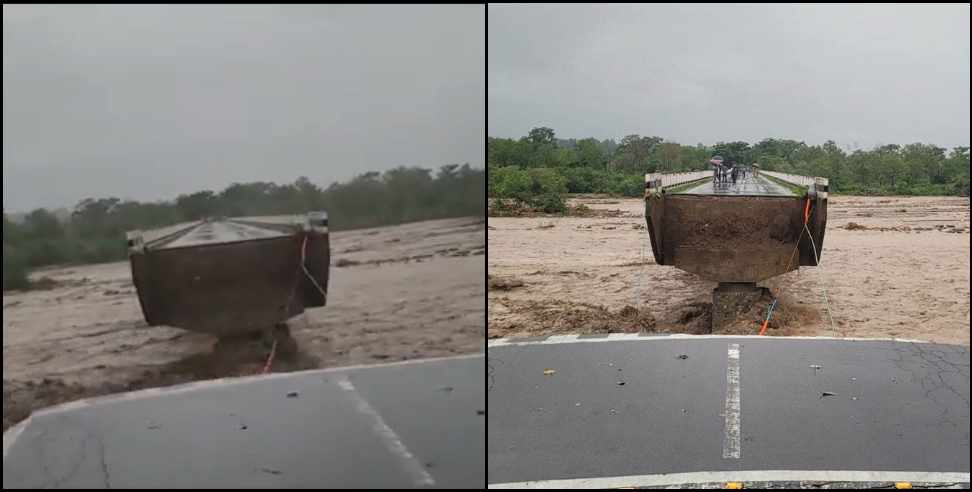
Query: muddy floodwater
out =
(890, 267)
(396, 293)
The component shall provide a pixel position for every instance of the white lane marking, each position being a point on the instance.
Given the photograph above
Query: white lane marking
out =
(730, 443)
(562, 338)
(388, 436)
(11, 435)
(64, 407)
(614, 337)
(668, 479)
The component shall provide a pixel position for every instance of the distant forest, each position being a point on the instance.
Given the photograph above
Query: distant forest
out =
(95, 230)
(539, 168)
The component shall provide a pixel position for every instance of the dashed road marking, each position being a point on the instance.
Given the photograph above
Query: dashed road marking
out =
(730, 443)
(388, 436)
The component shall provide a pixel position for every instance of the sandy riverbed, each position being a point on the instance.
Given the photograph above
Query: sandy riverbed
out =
(403, 292)
(901, 271)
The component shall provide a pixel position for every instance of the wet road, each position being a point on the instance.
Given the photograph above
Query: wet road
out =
(419, 424)
(750, 185)
(222, 232)
(600, 406)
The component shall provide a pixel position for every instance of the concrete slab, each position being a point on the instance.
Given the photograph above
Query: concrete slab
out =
(222, 232)
(654, 406)
(391, 426)
(751, 185)
(155, 234)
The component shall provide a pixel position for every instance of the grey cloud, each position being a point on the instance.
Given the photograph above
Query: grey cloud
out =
(869, 74)
(149, 101)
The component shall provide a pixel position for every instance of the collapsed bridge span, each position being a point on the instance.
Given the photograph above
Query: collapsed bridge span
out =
(738, 231)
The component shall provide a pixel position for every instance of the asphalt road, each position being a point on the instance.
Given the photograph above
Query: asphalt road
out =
(222, 232)
(751, 185)
(636, 406)
(419, 424)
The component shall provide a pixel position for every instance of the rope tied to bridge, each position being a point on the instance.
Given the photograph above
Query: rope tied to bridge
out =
(641, 275)
(816, 257)
(290, 299)
(823, 289)
(303, 266)
(273, 351)
(806, 219)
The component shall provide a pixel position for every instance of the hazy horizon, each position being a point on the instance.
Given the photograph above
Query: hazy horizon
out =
(219, 188)
(846, 145)
(147, 102)
(861, 75)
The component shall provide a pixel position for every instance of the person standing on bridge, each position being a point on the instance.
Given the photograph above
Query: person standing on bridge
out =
(716, 162)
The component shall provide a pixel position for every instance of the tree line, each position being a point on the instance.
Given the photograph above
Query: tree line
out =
(538, 167)
(95, 230)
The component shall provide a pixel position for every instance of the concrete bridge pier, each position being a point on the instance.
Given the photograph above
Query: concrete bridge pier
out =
(732, 299)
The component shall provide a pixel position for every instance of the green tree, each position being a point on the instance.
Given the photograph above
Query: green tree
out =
(916, 168)
(925, 163)
(833, 165)
(14, 268)
(541, 136)
(197, 205)
(507, 152)
(633, 153)
(783, 149)
(41, 224)
(90, 216)
(669, 154)
(738, 152)
(11, 231)
(512, 182)
(547, 190)
(590, 154)
(957, 170)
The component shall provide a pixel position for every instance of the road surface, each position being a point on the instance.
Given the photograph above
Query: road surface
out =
(751, 185)
(222, 232)
(414, 424)
(632, 406)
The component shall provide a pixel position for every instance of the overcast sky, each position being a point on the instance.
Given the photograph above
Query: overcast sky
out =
(870, 74)
(147, 102)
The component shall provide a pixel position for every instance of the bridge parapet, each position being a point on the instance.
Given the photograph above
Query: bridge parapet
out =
(664, 180)
(817, 184)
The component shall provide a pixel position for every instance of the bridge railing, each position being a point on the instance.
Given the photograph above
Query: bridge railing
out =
(664, 180)
(798, 180)
(658, 181)
(138, 239)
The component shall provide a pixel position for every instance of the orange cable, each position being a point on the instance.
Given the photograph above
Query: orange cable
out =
(273, 348)
(806, 218)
